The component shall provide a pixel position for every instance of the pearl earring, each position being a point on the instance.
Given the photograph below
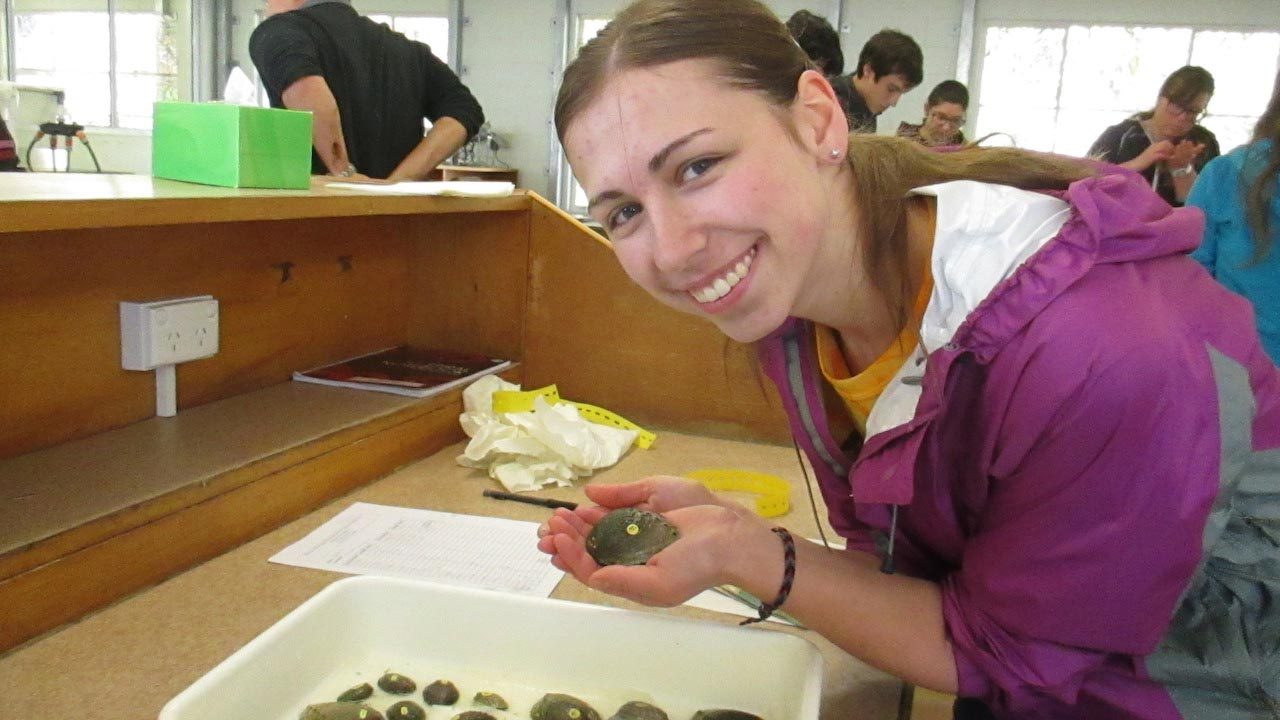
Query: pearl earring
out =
(835, 153)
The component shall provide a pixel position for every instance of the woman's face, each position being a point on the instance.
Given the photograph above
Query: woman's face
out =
(713, 206)
(1174, 121)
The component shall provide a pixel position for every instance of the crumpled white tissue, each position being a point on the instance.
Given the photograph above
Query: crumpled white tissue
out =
(552, 444)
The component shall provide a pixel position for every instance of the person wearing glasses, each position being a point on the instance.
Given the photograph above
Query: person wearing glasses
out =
(1166, 144)
(944, 116)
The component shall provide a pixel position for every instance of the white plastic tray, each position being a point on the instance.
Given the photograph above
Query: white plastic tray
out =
(520, 647)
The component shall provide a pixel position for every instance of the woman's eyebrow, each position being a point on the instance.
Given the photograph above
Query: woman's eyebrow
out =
(655, 163)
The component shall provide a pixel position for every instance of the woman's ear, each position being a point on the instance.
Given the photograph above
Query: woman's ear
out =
(820, 121)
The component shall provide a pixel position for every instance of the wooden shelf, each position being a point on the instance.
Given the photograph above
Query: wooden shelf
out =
(186, 488)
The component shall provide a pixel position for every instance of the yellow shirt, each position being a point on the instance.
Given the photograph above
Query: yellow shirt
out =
(859, 392)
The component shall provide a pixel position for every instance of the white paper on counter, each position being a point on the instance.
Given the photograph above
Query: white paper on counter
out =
(464, 550)
(459, 188)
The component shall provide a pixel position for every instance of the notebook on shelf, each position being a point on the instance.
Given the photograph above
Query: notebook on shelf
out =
(404, 370)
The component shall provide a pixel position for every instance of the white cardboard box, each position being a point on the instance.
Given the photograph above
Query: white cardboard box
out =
(520, 647)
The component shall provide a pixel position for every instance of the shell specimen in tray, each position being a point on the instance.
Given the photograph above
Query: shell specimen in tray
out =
(396, 684)
(357, 693)
(629, 537)
(637, 710)
(473, 715)
(440, 692)
(340, 711)
(724, 714)
(406, 710)
(493, 700)
(557, 706)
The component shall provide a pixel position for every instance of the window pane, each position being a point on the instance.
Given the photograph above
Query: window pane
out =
(591, 26)
(67, 50)
(431, 30)
(4, 46)
(1029, 128)
(1243, 67)
(1021, 67)
(434, 31)
(1078, 129)
(1120, 68)
(146, 42)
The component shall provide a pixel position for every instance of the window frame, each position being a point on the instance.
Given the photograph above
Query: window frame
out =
(979, 56)
(188, 78)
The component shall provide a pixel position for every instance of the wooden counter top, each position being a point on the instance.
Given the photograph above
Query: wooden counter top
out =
(126, 661)
(60, 201)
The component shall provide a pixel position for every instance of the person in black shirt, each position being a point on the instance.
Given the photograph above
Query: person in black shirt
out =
(368, 86)
(1166, 144)
(889, 65)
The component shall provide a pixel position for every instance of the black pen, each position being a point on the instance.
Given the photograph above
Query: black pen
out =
(544, 502)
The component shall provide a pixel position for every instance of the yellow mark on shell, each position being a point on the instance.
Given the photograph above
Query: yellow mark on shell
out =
(364, 714)
(404, 709)
(575, 713)
(632, 529)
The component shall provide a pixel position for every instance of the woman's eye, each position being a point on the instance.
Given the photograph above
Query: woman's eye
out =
(696, 168)
(622, 215)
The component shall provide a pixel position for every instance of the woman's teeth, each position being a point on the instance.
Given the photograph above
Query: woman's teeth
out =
(721, 286)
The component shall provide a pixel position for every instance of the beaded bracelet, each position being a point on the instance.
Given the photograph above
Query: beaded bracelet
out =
(788, 576)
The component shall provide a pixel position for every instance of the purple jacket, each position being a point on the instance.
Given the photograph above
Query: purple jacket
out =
(1090, 473)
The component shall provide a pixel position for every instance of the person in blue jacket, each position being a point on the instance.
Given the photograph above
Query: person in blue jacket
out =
(1237, 193)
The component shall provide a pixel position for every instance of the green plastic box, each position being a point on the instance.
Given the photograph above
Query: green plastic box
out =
(231, 145)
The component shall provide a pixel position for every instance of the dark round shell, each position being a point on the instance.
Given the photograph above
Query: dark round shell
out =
(557, 706)
(493, 700)
(340, 711)
(473, 715)
(357, 693)
(440, 692)
(637, 710)
(629, 537)
(397, 684)
(724, 714)
(406, 710)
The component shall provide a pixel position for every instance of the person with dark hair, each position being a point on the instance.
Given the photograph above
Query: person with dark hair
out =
(1241, 205)
(1166, 144)
(368, 87)
(944, 116)
(1049, 438)
(890, 65)
(819, 41)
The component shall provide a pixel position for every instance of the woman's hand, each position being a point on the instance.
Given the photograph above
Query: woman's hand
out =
(1184, 153)
(1156, 152)
(710, 535)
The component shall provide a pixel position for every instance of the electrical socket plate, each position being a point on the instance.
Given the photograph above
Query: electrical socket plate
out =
(167, 332)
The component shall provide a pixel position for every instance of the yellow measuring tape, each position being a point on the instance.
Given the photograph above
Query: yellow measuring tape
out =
(773, 494)
(505, 401)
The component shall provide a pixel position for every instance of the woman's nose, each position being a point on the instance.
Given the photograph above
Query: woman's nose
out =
(677, 239)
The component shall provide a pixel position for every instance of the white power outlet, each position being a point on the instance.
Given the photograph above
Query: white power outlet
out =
(167, 332)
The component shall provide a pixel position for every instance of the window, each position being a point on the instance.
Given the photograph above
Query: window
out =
(431, 30)
(1057, 88)
(113, 64)
(584, 29)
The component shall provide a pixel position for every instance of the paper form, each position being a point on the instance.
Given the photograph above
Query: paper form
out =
(466, 550)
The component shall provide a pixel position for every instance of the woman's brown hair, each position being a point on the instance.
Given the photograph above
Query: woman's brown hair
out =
(1260, 191)
(753, 50)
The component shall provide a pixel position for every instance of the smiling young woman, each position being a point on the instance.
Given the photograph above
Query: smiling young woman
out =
(1062, 424)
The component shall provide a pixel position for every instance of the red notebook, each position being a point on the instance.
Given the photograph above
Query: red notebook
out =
(404, 370)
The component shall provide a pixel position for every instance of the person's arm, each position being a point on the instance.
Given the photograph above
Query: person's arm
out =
(312, 93)
(444, 139)
(1155, 152)
(894, 622)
